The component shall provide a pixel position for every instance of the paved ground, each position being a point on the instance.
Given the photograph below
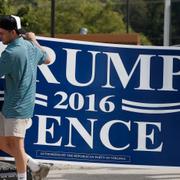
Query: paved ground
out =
(68, 172)
(8, 171)
(81, 172)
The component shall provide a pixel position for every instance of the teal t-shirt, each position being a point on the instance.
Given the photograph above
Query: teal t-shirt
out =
(18, 62)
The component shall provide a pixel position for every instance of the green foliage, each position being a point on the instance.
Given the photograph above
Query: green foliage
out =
(154, 28)
(71, 16)
(94, 15)
(35, 15)
(144, 40)
(175, 22)
(4, 7)
(98, 16)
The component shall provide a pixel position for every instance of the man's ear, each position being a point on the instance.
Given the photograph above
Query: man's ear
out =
(14, 33)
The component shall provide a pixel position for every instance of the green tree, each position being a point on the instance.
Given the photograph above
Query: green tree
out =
(93, 14)
(100, 16)
(175, 21)
(154, 28)
(4, 7)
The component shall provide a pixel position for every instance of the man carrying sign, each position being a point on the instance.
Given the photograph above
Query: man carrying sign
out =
(18, 63)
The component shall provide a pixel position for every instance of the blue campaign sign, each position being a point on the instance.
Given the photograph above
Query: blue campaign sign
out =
(106, 103)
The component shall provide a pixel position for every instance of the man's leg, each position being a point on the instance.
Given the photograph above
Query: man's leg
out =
(4, 145)
(16, 129)
(38, 169)
(19, 153)
(14, 146)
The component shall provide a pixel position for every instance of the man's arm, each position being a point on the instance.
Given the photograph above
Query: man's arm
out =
(31, 37)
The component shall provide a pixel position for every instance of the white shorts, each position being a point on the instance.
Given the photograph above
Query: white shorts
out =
(13, 127)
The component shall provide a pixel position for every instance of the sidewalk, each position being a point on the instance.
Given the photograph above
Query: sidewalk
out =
(80, 172)
(97, 172)
(8, 171)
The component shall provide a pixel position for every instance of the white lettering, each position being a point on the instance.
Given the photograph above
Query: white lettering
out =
(48, 75)
(124, 77)
(142, 136)
(74, 122)
(168, 62)
(42, 130)
(104, 134)
(71, 67)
